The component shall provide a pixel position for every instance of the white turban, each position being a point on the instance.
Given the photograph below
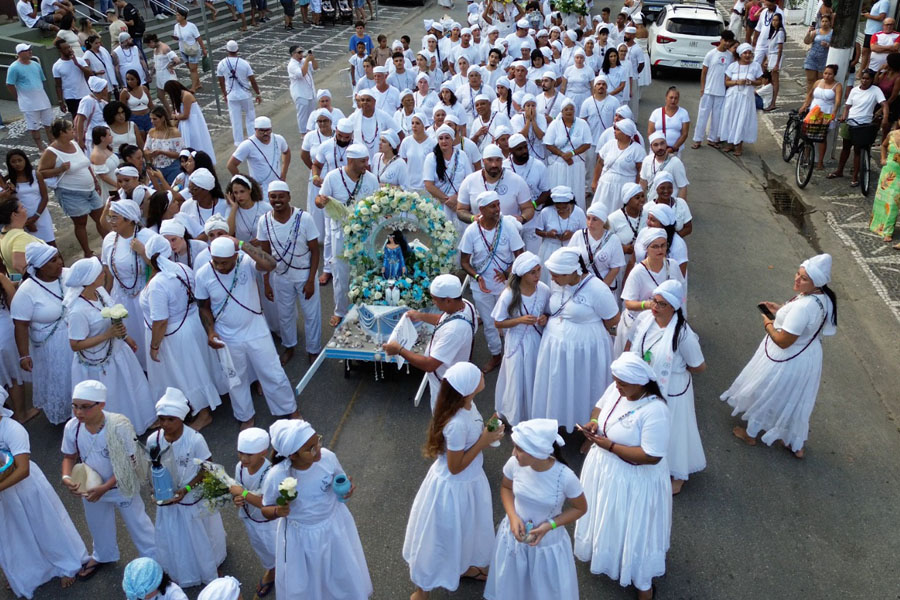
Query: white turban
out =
(38, 254)
(222, 247)
(444, 129)
(630, 368)
(203, 179)
(487, 197)
(365, 93)
(630, 190)
(562, 193)
(492, 151)
(663, 177)
(357, 151)
(323, 112)
(253, 441)
(648, 234)
(84, 272)
(564, 261)
(223, 588)
(745, 47)
(672, 291)
(289, 435)
(126, 208)
(625, 112)
(601, 77)
(172, 227)
(218, 223)
(391, 137)
(89, 389)
(818, 268)
(571, 35)
(158, 245)
(451, 117)
(524, 263)
(656, 135)
(502, 82)
(173, 404)
(664, 214)
(128, 171)
(579, 52)
(345, 125)
(97, 84)
(537, 436)
(627, 127)
(445, 286)
(598, 211)
(566, 102)
(464, 377)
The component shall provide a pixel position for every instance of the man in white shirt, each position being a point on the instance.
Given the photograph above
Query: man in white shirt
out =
(291, 237)
(883, 43)
(387, 97)
(236, 77)
(511, 189)
(30, 17)
(638, 60)
(473, 87)
(24, 80)
(874, 19)
(346, 185)
(761, 34)
(129, 56)
(520, 81)
(233, 318)
(303, 88)
(369, 122)
(70, 74)
(516, 40)
(600, 109)
(466, 48)
(487, 250)
(268, 155)
(712, 90)
(331, 155)
(661, 160)
(401, 78)
(550, 101)
(534, 172)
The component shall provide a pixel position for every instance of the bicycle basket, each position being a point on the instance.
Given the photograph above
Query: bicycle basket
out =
(815, 132)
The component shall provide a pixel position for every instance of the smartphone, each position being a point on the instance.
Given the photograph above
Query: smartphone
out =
(765, 310)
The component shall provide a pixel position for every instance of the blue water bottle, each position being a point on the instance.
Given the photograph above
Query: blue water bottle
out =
(163, 485)
(341, 485)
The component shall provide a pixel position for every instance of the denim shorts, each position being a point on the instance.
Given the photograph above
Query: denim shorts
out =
(78, 203)
(191, 60)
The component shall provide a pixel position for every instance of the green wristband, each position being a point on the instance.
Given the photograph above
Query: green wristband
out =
(595, 421)
(244, 495)
(187, 488)
(552, 523)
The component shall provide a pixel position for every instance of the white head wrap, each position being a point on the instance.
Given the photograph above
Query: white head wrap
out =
(464, 377)
(625, 112)
(597, 210)
(203, 179)
(223, 588)
(83, 273)
(366, 93)
(566, 102)
(127, 170)
(656, 135)
(89, 389)
(323, 112)
(253, 440)
(564, 261)
(173, 404)
(345, 125)
(218, 223)
(629, 191)
(391, 137)
(451, 118)
(492, 151)
(672, 291)
(126, 208)
(537, 436)
(745, 47)
(444, 129)
(601, 77)
(648, 234)
(357, 151)
(445, 286)
(97, 84)
(289, 435)
(323, 93)
(172, 227)
(222, 247)
(664, 214)
(438, 108)
(630, 368)
(502, 82)
(627, 127)
(487, 197)
(562, 193)
(663, 177)
(38, 254)
(818, 268)
(524, 263)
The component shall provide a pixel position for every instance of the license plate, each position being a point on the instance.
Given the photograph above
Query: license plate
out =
(693, 44)
(690, 64)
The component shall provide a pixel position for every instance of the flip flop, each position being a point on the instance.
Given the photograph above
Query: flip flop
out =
(91, 571)
(695, 145)
(833, 175)
(263, 589)
(854, 184)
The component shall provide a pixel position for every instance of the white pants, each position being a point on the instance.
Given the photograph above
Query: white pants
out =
(287, 293)
(101, 521)
(262, 540)
(236, 110)
(304, 107)
(710, 110)
(261, 354)
(485, 305)
(340, 270)
(635, 102)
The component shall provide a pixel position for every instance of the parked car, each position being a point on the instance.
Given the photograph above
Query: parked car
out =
(650, 9)
(681, 36)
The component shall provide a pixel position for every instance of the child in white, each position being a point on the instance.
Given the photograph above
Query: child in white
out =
(145, 578)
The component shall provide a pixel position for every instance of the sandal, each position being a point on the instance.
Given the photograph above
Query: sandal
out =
(695, 145)
(854, 184)
(481, 575)
(88, 571)
(263, 589)
(713, 144)
(834, 175)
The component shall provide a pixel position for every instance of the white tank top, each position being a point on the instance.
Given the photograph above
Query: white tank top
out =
(79, 177)
(824, 99)
(138, 104)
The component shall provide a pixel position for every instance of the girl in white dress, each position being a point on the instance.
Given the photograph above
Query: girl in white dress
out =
(663, 338)
(618, 163)
(387, 165)
(626, 223)
(317, 542)
(449, 534)
(104, 351)
(625, 533)
(31, 192)
(39, 319)
(533, 557)
(445, 173)
(145, 578)
(521, 311)
(191, 122)
(777, 389)
(557, 223)
(566, 140)
(177, 353)
(573, 361)
(41, 541)
(577, 80)
(190, 540)
(600, 249)
(126, 264)
(413, 149)
(738, 124)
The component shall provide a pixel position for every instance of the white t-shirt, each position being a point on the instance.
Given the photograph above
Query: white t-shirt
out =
(540, 495)
(599, 114)
(236, 72)
(339, 186)
(762, 27)
(672, 165)
(670, 126)
(289, 242)
(226, 293)
(167, 298)
(74, 86)
(388, 100)
(187, 34)
(367, 130)
(25, 9)
(882, 39)
(414, 154)
(302, 86)
(461, 433)
(263, 160)
(452, 341)
(862, 102)
(315, 501)
(92, 446)
(457, 170)
(493, 124)
(476, 241)
(512, 189)
(881, 7)
(247, 218)
(601, 256)
(39, 304)
(716, 62)
(643, 423)
(192, 208)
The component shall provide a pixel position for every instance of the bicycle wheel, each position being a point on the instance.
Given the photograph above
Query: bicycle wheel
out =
(864, 172)
(806, 162)
(789, 140)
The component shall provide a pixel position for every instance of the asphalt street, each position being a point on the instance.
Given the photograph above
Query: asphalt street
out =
(756, 524)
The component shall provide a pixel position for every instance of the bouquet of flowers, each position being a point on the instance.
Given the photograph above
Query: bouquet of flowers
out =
(117, 313)
(215, 486)
(572, 7)
(287, 491)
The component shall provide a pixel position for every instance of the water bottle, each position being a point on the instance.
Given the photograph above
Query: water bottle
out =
(341, 485)
(163, 486)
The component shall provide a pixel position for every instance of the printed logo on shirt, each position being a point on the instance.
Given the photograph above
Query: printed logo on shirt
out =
(502, 189)
(325, 484)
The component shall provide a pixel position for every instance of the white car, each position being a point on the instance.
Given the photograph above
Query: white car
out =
(682, 34)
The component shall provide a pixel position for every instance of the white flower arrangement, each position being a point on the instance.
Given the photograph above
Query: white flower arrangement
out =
(116, 312)
(287, 491)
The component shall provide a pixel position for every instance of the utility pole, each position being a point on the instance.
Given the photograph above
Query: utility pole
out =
(209, 55)
(843, 40)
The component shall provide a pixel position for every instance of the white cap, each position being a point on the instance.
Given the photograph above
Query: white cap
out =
(492, 151)
(279, 186)
(222, 247)
(253, 440)
(445, 286)
(487, 197)
(124, 36)
(97, 84)
(231, 46)
(366, 92)
(465, 31)
(323, 93)
(523, 24)
(173, 403)
(630, 30)
(357, 151)
(382, 70)
(548, 75)
(345, 125)
(480, 98)
(516, 139)
(89, 389)
(262, 123)
(22, 48)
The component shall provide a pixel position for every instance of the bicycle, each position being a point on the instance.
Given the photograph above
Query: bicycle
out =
(810, 134)
(862, 136)
(790, 141)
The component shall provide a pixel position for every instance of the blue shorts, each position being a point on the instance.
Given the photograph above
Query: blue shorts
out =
(192, 60)
(78, 203)
(237, 4)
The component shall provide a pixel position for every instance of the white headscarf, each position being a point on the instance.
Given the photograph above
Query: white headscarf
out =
(217, 223)
(289, 435)
(818, 268)
(160, 246)
(126, 208)
(83, 273)
(253, 440)
(173, 404)
(223, 588)
(672, 291)
(664, 214)
(537, 436)
(630, 368)
(648, 234)
(38, 254)
(564, 261)
(524, 263)
(464, 377)
(629, 191)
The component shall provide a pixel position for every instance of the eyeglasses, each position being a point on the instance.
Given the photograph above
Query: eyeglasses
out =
(657, 246)
(315, 447)
(659, 303)
(83, 407)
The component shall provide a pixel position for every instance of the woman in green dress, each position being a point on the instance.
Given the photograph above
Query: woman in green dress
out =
(884, 209)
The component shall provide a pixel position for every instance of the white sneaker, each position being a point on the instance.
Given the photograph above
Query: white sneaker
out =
(160, 17)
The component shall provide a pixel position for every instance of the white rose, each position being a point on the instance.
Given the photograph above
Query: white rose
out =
(376, 208)
(118, 312)
(105, 312)
(356, 227)
(377, 295)
(347, 230)
(289, 485)
(363, 210)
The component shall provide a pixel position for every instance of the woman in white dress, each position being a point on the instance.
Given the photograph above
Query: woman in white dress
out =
(413, 149)
(104, 351)
(617, 76)
(144, 578)
(317, 545)
(449, 534)
(618, 163)
(557, 224)
(177, 354)
(521, 311)
(40, 539)
(191, 121)
(573, 361)
(403, 116)
(533, 557)
(126, 264)
(625, 533)
(41, 337)
(445, 168)
(577, 80)
(776, 391)
(663, 338)
(567, 139)
(738, 124)
(388, 167)
(32, 193)
(600, 249)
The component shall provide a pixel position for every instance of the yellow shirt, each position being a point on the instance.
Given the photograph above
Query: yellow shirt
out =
(14, 241)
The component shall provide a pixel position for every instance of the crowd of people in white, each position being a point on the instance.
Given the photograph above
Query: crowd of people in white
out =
(572, 221)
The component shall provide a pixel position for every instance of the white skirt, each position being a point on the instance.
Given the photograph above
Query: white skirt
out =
(127, 390)
(685, 454)
(134, 323)
(523, 572)
(572, 176)
(572, 372)
(52, 374)
(37, 529)
(738, 121)
(609, 191)
(778, 398)
(190, 543)
(196, 133)
(10, 373)
(321, 561)
(548, 247)
(515, 382)
(450, 528)
(625, 532)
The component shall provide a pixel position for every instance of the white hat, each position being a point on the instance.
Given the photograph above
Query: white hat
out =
(451, 118)
(445, 286)
(525, 262)
(656, 135)
(253, 440)
(501, 131)
(818, 268)
(124, 36)
(323, 112)
(97, 84)
(492, 151)
(487, 197)
(323, 93)
(492, 29)
(601, 77)
(537, 436)
(231, 46)
(365, 92)
(630, 368)
(548, 74)
(406, 92)
(465, 31)
(223, 588)
(542, 33)
(562, 194)
(672, 291)
(22, 48)
(630, 30)
(126, 208)
(391, 137)
(480, 98)
(464, 377)
(173, 404)
(217, 222)
(222, 247)
(503, 81)
(289, 435)
(262, 123)
(422, 76)
(571, 35)
(382, 70)
(171, 227)
(345, 125)
(516, 139)
(279, 186)
(89, 389)
(203, 179)
(523, 24)
(444, 129)
(357, 151)
(564, 261)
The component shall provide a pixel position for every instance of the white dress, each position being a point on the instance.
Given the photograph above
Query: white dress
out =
(568, 139)
(414, 154)
(190, 541)
(40, 303)
(625, 532)
(575, 354)
(619, 167)
(10, 373)
(185, 361)
(318, 540)
(451, 522)
(639, 286)
(685, 453)
(601, 256)
(738, 122)
(777, 389)
(29, 194)
(39, 540)
(111, 362)
(546, 571)
(549, 220)
(515, 382)
(260, 531)
(578, 84)
(195, 132)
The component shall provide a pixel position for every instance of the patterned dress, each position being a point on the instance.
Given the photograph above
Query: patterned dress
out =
(884, 209)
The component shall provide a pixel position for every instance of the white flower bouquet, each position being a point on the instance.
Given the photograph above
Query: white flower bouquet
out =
(287, 491)
(117, 313)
